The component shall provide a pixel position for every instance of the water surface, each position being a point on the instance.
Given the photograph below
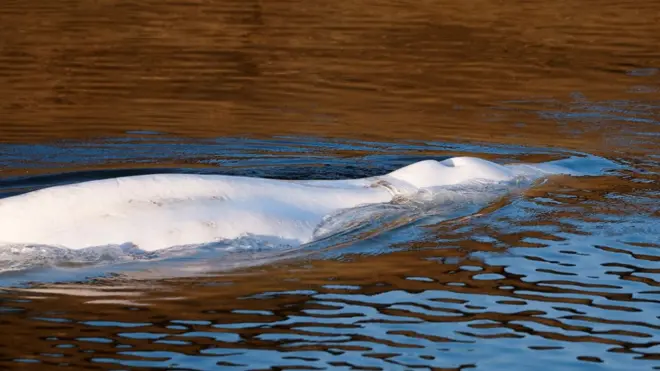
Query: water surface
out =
(563, 276)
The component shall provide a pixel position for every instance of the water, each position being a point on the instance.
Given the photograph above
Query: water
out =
(562, 275)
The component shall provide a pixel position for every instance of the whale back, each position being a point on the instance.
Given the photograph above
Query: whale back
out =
(158, 211)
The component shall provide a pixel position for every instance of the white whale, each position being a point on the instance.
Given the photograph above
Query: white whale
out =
(154, 212)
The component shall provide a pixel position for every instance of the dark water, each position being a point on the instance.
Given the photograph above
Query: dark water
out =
(564, 276)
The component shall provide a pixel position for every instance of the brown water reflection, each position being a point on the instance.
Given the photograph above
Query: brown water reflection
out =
(386, 69)
(434, 308)
(562, 277)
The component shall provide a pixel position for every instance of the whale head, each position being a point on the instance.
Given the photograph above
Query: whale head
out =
(455, 170)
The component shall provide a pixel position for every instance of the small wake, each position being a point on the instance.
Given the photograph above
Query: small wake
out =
(24, 257)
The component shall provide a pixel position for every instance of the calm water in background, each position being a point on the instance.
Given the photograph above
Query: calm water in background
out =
(563, 277)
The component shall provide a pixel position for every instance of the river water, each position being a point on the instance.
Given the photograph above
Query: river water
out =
(564, 276)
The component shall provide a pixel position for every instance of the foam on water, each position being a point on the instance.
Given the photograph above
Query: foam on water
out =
(159, 216)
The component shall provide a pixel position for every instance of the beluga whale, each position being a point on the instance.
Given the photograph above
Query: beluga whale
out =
(159, 211)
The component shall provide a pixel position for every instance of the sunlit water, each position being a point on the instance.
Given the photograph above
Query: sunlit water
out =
(561, 274)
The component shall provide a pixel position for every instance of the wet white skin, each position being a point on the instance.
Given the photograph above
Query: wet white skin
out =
(155, 212)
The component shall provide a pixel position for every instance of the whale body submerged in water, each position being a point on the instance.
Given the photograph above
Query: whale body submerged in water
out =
(154, 212)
